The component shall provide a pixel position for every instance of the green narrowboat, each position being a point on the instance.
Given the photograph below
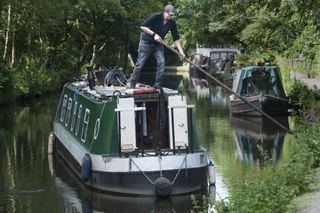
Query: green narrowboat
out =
(134, 141)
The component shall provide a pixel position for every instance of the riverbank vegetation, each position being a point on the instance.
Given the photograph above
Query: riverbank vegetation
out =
(46, 43)
(278, 184)
(274, 189)
(43, 44)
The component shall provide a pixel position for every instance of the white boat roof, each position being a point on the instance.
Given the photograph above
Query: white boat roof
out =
(108, 91)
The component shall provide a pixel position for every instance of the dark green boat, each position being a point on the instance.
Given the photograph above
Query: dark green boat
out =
(134, 141)
(262, 87)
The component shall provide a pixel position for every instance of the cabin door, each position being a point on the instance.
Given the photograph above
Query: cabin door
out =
(126, 109)
(178, 121)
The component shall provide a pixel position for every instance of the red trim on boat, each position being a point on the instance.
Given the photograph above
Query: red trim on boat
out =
(142, 90)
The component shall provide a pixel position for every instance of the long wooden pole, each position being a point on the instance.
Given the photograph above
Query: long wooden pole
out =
(228, 89)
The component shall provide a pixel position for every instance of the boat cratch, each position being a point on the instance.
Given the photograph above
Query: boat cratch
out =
(134, 141)
(262, 87)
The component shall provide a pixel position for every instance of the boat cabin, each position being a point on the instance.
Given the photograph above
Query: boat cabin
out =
(118, 121)
(256, 80)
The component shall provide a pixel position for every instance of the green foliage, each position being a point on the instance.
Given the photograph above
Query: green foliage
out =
(7, 95)
(258, 57)
(279, 184)
(50, 41)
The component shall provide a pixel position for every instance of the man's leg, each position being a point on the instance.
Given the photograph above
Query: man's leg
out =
(159, 55)
(144, 51)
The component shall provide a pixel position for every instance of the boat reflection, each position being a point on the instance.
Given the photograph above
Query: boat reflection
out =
(76, 198)
(258, 139)
(203, 89)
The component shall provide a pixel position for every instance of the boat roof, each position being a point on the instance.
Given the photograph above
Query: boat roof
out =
(207, 51)
(247, 72)
(105, 92)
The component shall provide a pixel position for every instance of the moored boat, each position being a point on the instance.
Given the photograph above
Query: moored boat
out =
(262, 87)
(133, 141)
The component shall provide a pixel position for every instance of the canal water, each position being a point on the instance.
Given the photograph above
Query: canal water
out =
(30, 181)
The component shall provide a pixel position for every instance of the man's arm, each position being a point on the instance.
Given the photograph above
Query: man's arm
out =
(178, 45)
(153, 34)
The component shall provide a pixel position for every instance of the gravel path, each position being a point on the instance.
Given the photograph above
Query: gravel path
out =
(312, 201)
(312, 83)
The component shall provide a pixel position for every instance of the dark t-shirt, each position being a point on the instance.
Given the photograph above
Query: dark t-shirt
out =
(155, 23)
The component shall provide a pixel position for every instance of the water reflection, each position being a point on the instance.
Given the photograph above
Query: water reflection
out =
(258, 139)
(77, 198)
(213, 93)
(25, 184)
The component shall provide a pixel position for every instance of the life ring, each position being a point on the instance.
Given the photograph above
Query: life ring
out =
(86, 167)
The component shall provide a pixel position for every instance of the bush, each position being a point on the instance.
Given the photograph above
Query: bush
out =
(279, 184)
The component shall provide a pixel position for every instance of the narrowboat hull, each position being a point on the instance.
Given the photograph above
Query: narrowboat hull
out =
(268, 104)
(113, 143)
(189, 178)
(262, 87)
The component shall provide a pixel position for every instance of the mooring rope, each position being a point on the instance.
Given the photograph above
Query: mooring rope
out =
(175, 178)
(144, 174)
(160, 158)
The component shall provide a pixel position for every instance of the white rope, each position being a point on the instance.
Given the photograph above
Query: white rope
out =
(142, 172)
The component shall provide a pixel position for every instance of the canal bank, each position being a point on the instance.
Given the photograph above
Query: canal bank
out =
(309, 201)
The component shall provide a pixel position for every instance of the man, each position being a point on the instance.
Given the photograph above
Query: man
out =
(154, 29)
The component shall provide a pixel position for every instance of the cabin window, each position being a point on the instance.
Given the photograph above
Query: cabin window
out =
(78, 120)
(85, 126)
(68, 112)
(97, 128)
(74, 114)
(64, 106)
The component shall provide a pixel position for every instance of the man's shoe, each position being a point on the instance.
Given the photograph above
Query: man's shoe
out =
(132, 85)
(157, 86)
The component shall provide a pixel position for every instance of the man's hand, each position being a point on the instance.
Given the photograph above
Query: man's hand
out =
(182, 56)
(157, 38)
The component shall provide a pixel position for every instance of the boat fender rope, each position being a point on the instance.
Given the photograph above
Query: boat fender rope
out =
(175, 178)
(160, 158)
(162, 186)
(144, 174)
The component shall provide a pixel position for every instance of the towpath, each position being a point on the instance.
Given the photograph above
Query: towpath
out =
(309, 203)
(311, 83)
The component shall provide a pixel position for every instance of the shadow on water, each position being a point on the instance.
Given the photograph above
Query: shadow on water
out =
(77, 198)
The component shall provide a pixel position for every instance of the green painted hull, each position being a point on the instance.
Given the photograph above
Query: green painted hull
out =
(104, 142)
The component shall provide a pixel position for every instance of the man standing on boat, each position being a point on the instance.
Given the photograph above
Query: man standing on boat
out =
(154, 29)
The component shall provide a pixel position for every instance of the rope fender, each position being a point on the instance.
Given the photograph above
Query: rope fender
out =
(162, 186)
